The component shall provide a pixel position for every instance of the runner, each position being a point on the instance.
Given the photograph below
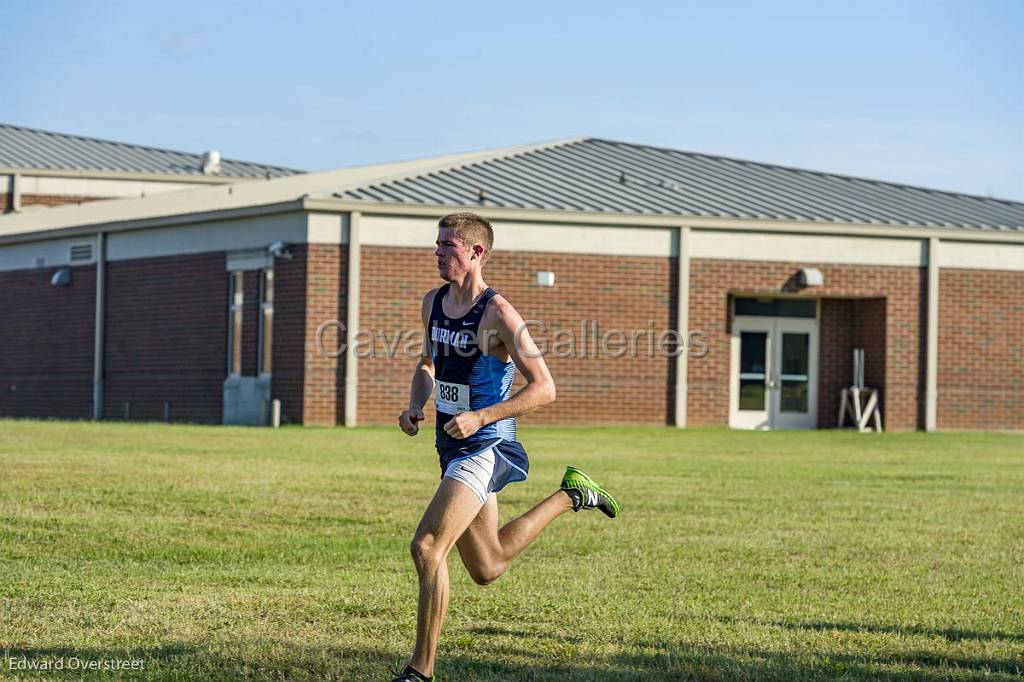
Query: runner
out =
(474, 342)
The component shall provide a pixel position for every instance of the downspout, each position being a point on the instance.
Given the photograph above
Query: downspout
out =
(98, 341)
(16, 193)
(931, 390)
(682, 320)
(352, 320)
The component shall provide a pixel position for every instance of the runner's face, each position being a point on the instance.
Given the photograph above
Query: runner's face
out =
(453, 257)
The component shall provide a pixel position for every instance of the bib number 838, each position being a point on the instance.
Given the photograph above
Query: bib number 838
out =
(448, 392)
(452, 398)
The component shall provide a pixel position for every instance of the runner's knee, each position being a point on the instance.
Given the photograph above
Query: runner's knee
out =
(425, 551)
(486, 574)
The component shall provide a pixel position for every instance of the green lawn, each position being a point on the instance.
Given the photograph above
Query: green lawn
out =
(221, 553)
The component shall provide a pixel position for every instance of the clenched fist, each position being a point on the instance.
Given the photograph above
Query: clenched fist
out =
(464, 425)
(409, 421)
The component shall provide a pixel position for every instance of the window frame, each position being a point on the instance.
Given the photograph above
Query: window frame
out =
(266, 308)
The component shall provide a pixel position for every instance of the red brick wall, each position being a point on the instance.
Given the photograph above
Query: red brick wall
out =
(288, 353)
(846, 324)
(178, 352)
(54, 200)
(836, 331)
(46, 343)
(325, 301)
(166, 337)
(42, 200)
(619, 292)
(981, 349)
(870, 331)
(904, 291)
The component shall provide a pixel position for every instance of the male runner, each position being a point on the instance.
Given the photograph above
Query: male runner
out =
(474, 342)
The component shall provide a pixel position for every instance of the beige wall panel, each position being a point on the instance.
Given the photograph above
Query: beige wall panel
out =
(971, 255)
(761, 246)
(327, 228)
(514, 236)
(55, 252)
(226, 235)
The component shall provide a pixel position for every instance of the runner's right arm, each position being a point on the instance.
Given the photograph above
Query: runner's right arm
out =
(422, 377)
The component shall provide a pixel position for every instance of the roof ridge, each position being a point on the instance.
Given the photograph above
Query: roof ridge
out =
(133, 145)
(462, 160)
(520, 150)
(796, 169)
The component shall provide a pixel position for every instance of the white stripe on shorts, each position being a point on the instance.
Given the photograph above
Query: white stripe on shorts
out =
(482, 472)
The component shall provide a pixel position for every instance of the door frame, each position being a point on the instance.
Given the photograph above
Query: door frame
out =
(772, 417)
(801, 420)
(246, 398)
(749, 419)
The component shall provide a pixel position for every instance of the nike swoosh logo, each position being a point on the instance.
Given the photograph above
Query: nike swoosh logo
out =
(466, 324)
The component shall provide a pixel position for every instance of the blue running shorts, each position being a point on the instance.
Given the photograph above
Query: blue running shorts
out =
(485, 467)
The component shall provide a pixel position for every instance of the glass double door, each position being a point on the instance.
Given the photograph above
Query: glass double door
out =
(774, 373)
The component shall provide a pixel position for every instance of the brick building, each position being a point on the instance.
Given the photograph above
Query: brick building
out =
(205, 304)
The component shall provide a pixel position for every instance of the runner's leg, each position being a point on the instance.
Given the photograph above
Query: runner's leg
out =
(486, 550)
(453, 508)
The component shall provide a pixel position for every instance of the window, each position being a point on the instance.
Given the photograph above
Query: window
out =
(777, 307)
(236, 297)
(753, 370)
(266, 321)
(795, 372)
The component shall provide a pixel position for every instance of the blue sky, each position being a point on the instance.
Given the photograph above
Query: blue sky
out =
(928, 93)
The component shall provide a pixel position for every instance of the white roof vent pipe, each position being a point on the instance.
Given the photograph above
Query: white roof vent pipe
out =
(211, 162)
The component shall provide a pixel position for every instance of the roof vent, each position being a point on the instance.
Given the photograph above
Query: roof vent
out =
(211, 162)
(81, 253)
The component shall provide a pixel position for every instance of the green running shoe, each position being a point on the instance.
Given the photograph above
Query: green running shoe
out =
(586, 494)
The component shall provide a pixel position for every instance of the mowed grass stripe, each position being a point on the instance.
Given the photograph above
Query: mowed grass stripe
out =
(225, 553)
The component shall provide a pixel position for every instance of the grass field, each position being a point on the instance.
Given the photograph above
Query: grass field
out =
(225, 553)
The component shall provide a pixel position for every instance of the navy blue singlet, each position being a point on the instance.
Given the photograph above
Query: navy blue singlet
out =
(465, 378)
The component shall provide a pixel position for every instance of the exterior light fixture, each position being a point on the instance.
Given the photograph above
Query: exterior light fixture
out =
(810, 277)
(545, 279)
(282, 250)
(61, 278)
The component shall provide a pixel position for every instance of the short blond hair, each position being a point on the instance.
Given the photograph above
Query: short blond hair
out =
(473, 229)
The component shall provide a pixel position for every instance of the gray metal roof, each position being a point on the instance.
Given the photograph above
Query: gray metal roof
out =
(29, 148)
(616, 177)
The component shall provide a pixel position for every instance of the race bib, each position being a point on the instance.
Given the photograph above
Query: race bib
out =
(451, 398)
